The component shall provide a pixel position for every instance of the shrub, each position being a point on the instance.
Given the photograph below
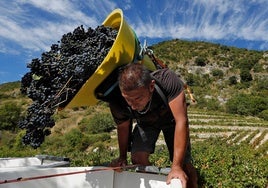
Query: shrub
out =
(101, 122)
(264, 115)
(213, 104)
(262, 84)
(217, 73)
(209, 104)
(193, 80)
(245, 75)
(245, 104)
(93, 139)
(18, 140)
(7, 139)
(73, 138)
(220, 165)
(232, 80)
(200, 61)
(61, 115)
(190, 80)
(10, 116)
(246, 64)
(258, 67)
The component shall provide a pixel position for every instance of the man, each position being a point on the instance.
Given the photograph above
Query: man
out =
(142, 100)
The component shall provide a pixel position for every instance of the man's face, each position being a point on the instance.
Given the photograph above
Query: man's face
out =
(138, 99)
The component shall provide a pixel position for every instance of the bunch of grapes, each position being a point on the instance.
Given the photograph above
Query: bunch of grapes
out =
(55, 78)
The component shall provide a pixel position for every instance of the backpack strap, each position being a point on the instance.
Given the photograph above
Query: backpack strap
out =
(160, 92)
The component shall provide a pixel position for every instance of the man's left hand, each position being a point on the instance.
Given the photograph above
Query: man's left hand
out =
(177, 173)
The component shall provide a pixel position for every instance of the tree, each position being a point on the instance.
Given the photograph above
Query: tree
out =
(232, 80)
(200, 61)
(246, 104)
(262, 84)
(10, 114)
(217, 73)
(245, 75)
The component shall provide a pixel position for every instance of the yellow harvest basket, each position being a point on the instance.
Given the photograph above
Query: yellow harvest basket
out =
(123, 51)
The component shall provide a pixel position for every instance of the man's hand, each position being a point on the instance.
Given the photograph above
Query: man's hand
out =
(118, 162)
(177, 173)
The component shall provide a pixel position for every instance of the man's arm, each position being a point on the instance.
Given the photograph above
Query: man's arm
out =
(179, 110)
(123, 131)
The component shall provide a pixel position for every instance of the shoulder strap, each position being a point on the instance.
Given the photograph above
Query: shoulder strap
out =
(160, 92)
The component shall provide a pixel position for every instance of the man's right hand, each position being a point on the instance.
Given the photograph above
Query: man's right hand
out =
(118, 162)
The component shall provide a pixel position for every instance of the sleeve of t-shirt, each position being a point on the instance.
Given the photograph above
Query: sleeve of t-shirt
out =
(120, 112)
(169, 82)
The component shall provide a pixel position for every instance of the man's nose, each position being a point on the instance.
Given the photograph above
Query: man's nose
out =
(133, 105)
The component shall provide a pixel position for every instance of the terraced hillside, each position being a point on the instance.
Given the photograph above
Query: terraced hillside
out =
(233, 129)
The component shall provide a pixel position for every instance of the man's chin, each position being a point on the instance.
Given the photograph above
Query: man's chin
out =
(141, 109)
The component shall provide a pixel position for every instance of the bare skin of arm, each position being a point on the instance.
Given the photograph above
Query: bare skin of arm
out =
(122, 134)
(179, 109)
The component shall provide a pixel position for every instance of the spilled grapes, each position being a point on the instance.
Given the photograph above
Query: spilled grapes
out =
(55, 78)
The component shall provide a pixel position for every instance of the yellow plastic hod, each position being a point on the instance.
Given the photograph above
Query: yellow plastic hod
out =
(123, 51)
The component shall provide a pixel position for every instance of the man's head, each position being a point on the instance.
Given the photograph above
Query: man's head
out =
(136, 85)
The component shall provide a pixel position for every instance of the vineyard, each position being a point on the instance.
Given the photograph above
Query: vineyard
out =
(232, 129)
(228, 150)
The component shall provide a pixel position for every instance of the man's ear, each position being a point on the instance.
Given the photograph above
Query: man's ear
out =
(151, 87)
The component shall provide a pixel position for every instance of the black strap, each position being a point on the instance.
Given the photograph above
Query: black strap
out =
(160, 92)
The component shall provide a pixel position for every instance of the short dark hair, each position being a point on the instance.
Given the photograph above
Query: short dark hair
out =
(133, 76)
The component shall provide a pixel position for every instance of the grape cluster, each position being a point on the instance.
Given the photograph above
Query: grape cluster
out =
(55, 78)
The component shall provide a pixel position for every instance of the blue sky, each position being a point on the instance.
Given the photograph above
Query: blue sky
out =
(30, 27)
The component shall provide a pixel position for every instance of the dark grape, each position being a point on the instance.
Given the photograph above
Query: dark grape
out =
(55, 78)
